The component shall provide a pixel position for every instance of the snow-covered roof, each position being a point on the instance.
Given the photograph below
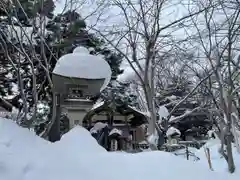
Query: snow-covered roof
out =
(81, 64)
(97, 127)
(102, 105)
(147, 114)
(98, 104)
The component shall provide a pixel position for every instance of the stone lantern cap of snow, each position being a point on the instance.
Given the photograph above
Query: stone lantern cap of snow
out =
(80, 64)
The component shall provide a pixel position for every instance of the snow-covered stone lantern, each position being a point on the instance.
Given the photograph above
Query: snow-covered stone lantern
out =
(77, 77)
(173, 135)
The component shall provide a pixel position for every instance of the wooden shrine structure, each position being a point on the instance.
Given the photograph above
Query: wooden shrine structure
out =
(125, 126)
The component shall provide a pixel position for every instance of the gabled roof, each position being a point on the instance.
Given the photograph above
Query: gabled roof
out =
(125, 110)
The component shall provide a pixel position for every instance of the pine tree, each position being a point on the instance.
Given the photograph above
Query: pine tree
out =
(193, 124)
(63, 33)
(70, 32)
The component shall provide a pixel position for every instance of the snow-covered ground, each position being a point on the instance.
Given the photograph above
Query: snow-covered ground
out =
(217, 160)
(25, 156)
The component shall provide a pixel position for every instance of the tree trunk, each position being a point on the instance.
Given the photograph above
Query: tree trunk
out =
(152, 111)
(230, 161)
(152, 122)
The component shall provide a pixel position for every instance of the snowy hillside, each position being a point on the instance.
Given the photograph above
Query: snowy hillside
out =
(24, 156)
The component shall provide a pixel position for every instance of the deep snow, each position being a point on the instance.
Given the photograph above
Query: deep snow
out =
(24, 156)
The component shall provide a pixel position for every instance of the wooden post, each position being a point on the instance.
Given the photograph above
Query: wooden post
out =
(207, 153)
(187, 152)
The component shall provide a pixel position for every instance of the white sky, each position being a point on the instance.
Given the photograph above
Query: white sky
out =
(111, 18)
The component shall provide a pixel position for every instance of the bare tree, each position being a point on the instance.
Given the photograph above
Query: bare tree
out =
(17, 36)
(142, 39)
(22, 40)
(217, 31)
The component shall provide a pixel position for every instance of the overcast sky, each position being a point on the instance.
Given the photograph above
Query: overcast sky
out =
(111, 18)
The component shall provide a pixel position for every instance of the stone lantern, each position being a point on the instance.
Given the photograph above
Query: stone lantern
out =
(77, 77)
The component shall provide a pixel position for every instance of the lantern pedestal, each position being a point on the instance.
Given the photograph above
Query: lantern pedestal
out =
(76, 110)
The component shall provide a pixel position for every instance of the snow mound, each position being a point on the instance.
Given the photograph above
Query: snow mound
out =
(172, 131)
(19, 149)
(77, 156)
(12, 137)
(149, 165)
(153, 139)
(79, 140)
(163, 112)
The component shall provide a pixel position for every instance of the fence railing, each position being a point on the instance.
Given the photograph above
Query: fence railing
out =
(173, 147)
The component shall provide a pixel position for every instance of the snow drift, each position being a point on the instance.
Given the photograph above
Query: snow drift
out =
(24, 156)
(78, 140)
